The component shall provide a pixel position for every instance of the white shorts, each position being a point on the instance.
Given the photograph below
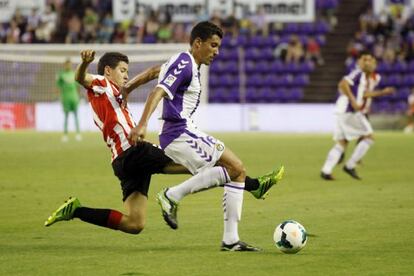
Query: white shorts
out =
(195, 150)
(350, 126)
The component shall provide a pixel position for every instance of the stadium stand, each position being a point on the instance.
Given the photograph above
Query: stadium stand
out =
(259, 62)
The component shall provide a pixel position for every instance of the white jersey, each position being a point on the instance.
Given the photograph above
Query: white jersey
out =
(180, 79)
(360, 82)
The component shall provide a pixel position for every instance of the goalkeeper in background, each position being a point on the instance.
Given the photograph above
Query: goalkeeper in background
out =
(69, 95)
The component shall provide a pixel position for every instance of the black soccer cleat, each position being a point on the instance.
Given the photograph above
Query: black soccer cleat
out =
(351, 172)
(239, 246)
(326, 176)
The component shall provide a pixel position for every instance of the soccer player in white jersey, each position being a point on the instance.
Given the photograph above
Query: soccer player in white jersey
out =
(179, 88)
(356, 92)
(132, 164)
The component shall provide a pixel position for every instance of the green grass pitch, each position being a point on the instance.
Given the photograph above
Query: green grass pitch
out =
(362, 227)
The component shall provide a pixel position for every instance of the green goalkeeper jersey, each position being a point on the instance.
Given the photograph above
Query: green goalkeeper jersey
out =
(65, 80)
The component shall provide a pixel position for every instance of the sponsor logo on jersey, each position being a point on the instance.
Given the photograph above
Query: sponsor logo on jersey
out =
(169, 80)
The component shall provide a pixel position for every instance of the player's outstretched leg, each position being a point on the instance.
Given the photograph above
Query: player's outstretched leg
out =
(168, 208)
(266, 182)
(238, 246)
(64, 212)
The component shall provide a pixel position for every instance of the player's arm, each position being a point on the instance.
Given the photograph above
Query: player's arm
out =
(140, 79)
(81, 76)
(345, 88)
(138, 133)
(379, 93)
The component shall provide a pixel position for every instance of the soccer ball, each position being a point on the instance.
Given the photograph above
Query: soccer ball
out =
(290, 237)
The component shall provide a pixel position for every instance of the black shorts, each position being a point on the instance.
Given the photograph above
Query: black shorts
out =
(135, 166)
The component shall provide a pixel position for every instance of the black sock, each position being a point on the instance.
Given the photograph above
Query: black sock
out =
(94, 216)
(251, 184)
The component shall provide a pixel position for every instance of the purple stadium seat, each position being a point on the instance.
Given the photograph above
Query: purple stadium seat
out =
(277, 66)
(255, 80)
(411, 66)
(149, 39)
(394, 80)
(263, 66)
(306, 67)
(399, 66)
(229, 80)
(214, 80)
(300, 80)
(296, 94)
(408, 80)
(253, 54)
(399, 107)
(291, 28)
(320, 39)
(322, 27)
(307, 28)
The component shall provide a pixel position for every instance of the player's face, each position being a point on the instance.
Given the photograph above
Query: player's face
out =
(119, 74)
(367, 63)
(208, 49)
(67, 65)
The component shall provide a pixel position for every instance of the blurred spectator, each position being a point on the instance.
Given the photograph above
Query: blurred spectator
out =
(74, 29)
(151, 28)
(49, 17)
(294, 50)
(13, 33)
(119, 35)
(389, 56)
(410, 113)
(355, 46)
(139, 25)
(3, 34)
(33, 19)
(259, 25)
(106, 29)
(90, 23)
(313, 51)
(178, 33)
(230, 25)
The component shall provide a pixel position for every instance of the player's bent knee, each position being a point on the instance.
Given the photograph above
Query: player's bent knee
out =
(238, 172)
(136, 228)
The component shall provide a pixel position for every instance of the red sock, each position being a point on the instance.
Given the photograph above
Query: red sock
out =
(114, 219)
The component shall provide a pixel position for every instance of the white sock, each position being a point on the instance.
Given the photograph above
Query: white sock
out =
(332, 159)
(207, 179)
(359, 152)
(232, 208)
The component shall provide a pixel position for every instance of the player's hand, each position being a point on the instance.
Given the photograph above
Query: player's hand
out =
(137, 134)
(87, 56)
(389, 90)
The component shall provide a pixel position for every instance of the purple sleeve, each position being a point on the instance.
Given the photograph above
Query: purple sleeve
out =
(353, 76)
(178, 76)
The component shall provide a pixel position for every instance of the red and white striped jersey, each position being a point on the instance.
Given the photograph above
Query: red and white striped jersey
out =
(114, 121)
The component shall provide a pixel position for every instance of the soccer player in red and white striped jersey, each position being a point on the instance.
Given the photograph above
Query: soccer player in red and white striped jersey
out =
(132, 164)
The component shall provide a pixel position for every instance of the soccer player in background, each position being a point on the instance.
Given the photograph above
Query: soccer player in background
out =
(69, 95)
(132, 164)
(356, 92)
(180, 89)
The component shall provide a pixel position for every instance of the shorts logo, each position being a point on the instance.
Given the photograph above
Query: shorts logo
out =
(169, 80)
(219, 147)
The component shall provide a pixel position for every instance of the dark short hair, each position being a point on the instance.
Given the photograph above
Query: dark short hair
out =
(111, 59)
(205, 30)
(364, 53)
